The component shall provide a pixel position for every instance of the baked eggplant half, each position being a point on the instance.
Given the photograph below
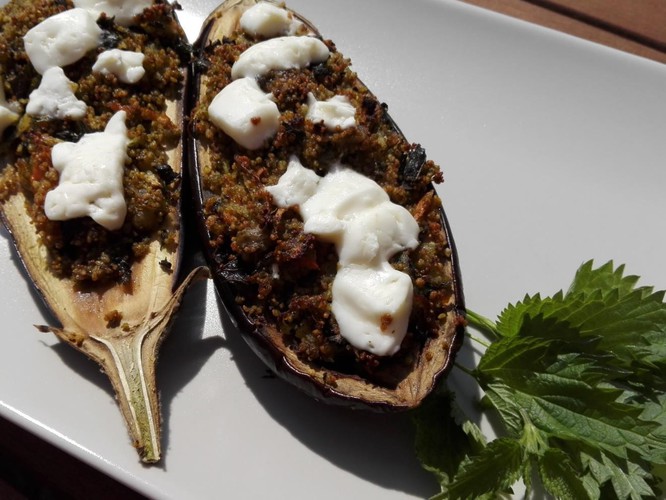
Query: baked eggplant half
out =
(325, 236)
(91, 180)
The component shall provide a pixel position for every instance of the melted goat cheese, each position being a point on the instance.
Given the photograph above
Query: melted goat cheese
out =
(126, 65)
(91, 176)
(241, 109)
(268, 20)
(124, 11)
(296, 186)
(61, 39)
(245, 113)
(371, 300)
(333, 113)
(54, 98)
(285, 52)
(372, 307)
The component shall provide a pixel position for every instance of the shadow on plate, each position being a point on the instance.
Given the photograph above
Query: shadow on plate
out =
(184, 353)
(376, 447)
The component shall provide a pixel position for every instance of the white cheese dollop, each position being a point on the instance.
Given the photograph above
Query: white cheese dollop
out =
(7, 114)
(126, 65)
(372, 307)
(91, 176)
(54, 98)
(124, 11)
(245, 113)
(61, 39)
(335, 112)
(355, 213)
(268, 20)
(296, 186)
(371, 300)
(241, 109)
(286, 52)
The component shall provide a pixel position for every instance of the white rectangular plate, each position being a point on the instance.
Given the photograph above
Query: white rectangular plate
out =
(553, 151)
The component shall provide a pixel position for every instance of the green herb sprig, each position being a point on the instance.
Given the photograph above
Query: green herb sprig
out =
(578, 381)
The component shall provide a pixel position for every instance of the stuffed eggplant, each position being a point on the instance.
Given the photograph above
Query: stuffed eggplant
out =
(325, 236)
(92, 114)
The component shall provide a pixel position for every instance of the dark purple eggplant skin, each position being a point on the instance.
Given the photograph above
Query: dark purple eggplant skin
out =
(228, 287)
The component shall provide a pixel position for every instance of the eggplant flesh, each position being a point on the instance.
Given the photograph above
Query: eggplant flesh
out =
(119, 323)
(272, 278)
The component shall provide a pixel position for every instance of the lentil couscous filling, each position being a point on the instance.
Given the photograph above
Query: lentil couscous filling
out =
(282, 274)
(79, 248)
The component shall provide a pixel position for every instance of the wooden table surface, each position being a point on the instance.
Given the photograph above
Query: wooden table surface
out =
(31, 468)
(634, 26)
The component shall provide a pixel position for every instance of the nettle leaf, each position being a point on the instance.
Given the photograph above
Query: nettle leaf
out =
(442, 444)
(493, 470)
(623, 313)
(559, 427)
(515, 357)
(563, 479)
(655, 411)
(539, 344)
(578, 380)
(585, 368)
(603, 279)
(630, 483)
(597, 421)
(625, 478)
(568, 395)
(500, 398)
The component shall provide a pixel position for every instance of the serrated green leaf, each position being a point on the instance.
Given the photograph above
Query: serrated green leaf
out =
(493, 470)
(572, 409)
(624, 478)
(442, 443)
(563, 479)
(500, 398)
(603, 279)
(591, 460)
(629, 483)
(579, 381)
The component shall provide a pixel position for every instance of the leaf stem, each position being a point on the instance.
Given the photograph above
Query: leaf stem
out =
(479, 341)
(483, 324)
(464, 369)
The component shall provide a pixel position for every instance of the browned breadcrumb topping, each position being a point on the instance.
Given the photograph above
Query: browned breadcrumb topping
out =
(284, 275)
(80, 248)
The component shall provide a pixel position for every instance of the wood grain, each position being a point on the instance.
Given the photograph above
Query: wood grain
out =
(641, 20)
(615, 23)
